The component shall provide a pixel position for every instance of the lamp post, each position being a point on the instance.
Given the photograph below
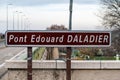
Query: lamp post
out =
(22, 22)
(70, 15)
(18, 21)
(69, 49)
(30, 26)
(7, 23)
(20, 25)
(26, 24)
(14, 20)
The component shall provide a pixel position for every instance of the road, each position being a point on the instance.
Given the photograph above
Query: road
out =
(5, 54)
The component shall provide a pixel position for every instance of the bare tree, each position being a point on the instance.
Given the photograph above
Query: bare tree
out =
(57, 27)
(116, 40)
(111, 19)
(111, 13)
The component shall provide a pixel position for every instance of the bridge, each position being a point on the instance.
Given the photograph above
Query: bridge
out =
(55, 69)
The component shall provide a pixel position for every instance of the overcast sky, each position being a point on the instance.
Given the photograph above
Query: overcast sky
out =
(40, 14)
(45, 2)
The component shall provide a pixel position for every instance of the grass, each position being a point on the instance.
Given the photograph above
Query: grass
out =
(103, 58)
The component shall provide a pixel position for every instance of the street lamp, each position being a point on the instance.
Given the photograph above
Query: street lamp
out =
(22, 21)
(15, 14)
(18, 21)
(69, 49)
(29, 24)
(14, 20)
(7, 24)
(20, 25)
(70, 15)
(26, 24)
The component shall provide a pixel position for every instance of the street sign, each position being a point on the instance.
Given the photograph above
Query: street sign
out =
(59, 38)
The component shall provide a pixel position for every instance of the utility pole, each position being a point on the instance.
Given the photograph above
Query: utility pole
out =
(69, 49)
(13, 21)
(7, 15)
(70, 15)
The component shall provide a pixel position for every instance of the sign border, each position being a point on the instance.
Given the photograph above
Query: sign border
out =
(66, 31)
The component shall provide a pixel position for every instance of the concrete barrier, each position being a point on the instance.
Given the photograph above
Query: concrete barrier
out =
(56, 70)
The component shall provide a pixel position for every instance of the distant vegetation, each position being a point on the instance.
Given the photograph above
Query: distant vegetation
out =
(38, 53)
(102, 53)
(110, 15)
(2, 36)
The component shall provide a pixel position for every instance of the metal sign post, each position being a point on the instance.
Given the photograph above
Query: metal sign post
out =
(68, 64)
(29, 63)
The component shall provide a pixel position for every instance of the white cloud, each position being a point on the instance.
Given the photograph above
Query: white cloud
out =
(83, 16)
(45, 2)
(44, 16)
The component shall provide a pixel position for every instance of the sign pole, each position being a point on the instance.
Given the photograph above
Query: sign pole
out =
(68, 64)
(69, 49)
(29, 63)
